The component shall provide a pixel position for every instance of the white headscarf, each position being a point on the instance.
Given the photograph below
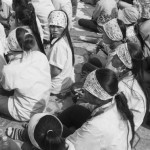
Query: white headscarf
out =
(113, 30)
(12, 42)
(92, 86)
(58, 18)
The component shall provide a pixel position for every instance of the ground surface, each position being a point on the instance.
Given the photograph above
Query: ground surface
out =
(82, 49)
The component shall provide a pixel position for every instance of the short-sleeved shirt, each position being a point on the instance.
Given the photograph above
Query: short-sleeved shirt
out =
(61, 57)
(105, 10)
(31, 81)
(66, 6)
(106, 131)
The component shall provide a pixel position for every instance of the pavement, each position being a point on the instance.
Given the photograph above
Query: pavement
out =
(82, 51)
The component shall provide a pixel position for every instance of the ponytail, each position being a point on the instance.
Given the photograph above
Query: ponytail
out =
(53, 142)
(123, 109)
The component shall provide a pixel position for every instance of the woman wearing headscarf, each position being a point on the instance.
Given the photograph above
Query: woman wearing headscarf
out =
(110, 124)
(130, 17)
(127, 63)
(27, 74)
(61, 53)
(105, 10)
(43, 132)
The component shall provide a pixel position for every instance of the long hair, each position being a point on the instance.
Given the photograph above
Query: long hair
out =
(26, 14)
(123, 29)
(137, 69)
(48, 134)
(109, 82)
(67, 34)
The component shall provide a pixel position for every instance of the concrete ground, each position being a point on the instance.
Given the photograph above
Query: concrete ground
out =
(82, 51)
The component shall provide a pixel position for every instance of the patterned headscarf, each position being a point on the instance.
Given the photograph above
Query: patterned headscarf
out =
(92, 86)
(113, 30)
(124, 55)
(32, 124)
(13, 44)
(58, 18)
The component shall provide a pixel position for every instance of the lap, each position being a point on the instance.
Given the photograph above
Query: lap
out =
(4, 105)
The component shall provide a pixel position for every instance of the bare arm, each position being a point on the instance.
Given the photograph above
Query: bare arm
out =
(55, 71)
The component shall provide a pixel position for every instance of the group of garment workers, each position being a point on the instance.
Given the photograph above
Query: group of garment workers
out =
(114, 101)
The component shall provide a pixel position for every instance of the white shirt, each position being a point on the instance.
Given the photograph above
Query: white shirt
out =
(42, 10)
(66, 6)
(6, 9)
(61, 57)
(105, 10)
(31, 81)
(106, 131)
(136, 99)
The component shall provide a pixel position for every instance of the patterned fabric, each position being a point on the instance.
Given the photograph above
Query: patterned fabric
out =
(58, 18)
(13, 44)
(113, 30)
(92, 86)
(32, 124)
(129, 15)
(123, 54)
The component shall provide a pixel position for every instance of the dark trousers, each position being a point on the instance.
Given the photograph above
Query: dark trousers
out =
(74, 116)
(89, 24)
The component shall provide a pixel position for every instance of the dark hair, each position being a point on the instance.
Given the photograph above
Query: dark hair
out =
(137, 69)
(25, 40)
(122, 28)
(65, 32)
(109, 82)
(48, 133)
(26, 14)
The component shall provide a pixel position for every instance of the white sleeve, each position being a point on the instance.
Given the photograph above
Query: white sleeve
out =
(86, 137)
(7, 80)
(58, 56)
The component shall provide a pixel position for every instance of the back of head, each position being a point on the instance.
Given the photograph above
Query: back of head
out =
(25, 39)
(115, 29)
(108, 80)
(48, 132)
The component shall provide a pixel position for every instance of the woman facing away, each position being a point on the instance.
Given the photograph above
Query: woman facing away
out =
(25, 16)
(61, 53)
(28, 74)
(127, 63)
(44, 132)
(109, 125)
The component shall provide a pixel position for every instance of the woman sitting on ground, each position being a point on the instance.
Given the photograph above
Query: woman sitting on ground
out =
(127, 63)
(28, 74)
(109, 126)
(61, 53)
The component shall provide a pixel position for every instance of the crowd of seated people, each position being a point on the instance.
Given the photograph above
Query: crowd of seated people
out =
(112, 101)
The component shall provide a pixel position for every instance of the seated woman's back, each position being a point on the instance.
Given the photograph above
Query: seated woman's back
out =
(28, 74)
